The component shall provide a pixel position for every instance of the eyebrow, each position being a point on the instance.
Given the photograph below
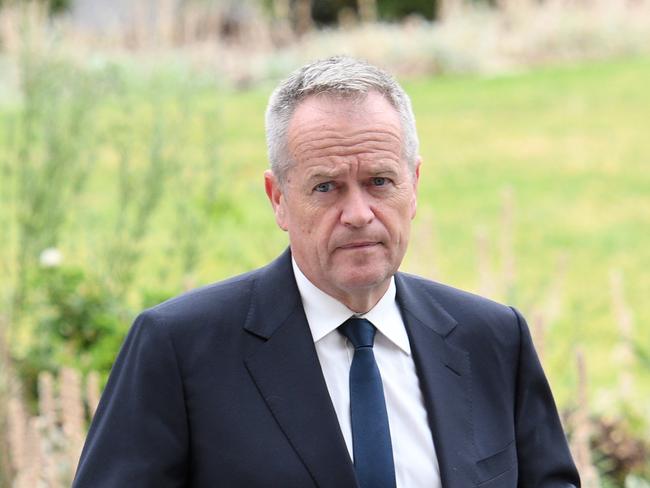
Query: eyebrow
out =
(375, 170)
(321, 174)
(383, 171)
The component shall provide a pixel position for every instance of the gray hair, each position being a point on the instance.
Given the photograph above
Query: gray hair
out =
(338, 76)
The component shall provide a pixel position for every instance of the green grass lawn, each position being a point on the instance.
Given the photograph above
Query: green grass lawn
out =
(570, 144)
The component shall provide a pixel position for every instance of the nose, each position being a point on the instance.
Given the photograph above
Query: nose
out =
(356, 210)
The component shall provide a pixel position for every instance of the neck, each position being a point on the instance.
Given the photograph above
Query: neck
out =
(361, 301)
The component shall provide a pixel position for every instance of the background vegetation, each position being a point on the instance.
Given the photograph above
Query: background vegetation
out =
(131, 163)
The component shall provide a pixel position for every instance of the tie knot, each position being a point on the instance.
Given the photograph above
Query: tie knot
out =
(360, 332)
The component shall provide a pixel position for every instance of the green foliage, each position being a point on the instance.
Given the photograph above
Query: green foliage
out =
(618, 453)
(398, 9)
(58, 6)
(54, 6)
(81, 323)
(643, 354)
(327, 11)
(96, 154)
(47, 160)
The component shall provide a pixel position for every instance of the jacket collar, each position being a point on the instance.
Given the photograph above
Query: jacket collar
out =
(444, 371)
(284, 366)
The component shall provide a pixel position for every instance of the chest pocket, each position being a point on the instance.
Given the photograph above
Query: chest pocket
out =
(497, 464)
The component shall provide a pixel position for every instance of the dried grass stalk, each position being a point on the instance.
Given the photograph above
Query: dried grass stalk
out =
(507, 241)
(92, 392)
(72, 412)
(368, 10)
(582, 429)
(22, 23)
(488, 285)
(46, 401)
(547, 312)
(304, 21)
(539, 329)
(624, 320)
(45, 449)
(5, 368)
(18, 445)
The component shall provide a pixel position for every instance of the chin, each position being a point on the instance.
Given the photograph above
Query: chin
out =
(363, 279)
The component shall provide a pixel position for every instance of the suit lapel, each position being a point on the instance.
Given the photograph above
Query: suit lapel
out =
(445, 379)
(285, 368)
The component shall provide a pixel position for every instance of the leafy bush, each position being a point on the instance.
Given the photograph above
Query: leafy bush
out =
(96, 152)
(80, 324)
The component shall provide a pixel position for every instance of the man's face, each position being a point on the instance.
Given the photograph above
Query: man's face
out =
(348, 201)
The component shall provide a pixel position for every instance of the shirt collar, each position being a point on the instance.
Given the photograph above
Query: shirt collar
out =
(325, 313)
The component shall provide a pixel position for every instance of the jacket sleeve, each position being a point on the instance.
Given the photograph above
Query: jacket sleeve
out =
(139, 436)
(542, 450)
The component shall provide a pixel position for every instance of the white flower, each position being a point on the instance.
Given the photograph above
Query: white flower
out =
(50, 257)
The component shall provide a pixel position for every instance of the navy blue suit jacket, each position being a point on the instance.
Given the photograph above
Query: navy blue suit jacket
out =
(221, 387)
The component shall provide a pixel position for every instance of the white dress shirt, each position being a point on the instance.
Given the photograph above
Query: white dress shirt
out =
(416, 464)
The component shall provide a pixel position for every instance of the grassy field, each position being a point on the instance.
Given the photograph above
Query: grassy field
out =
(551, 168)
(572, 144)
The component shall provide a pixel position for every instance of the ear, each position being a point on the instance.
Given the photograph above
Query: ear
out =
(276, 197)
(416, 180)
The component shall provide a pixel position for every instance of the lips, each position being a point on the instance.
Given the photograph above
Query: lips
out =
(359, 245)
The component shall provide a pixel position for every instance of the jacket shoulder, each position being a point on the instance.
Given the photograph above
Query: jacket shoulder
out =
(478, 318)
(230, 291)
(457, 301)
(215, 305)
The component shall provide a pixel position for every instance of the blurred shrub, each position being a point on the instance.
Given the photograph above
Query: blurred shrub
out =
(54, 6)
(618, 452)
(398, 9)
(49, 156)
(91, 156)
(79, 324)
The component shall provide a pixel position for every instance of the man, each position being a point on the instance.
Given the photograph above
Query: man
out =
(328, 367)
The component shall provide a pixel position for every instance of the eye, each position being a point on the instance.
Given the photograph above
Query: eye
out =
(379, 181)
(324, 187)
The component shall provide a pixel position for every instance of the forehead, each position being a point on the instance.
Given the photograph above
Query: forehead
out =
(340, 111)
(324, 127)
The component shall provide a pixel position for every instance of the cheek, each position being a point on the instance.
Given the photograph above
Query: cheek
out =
(306, 230)
(408, 205)
(319, 227)
(400, 210)
(305, 223)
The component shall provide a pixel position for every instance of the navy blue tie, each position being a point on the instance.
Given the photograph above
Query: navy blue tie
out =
(373, 453)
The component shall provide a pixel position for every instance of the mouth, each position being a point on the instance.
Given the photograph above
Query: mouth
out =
(360, 245)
